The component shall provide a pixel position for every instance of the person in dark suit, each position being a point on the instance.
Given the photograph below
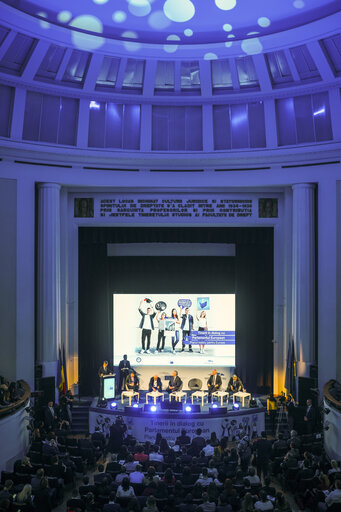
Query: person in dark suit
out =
(310, 417)
(155, 384)
(213, 384)
(175, 382)
(123, 367)
(186, 327)
(50, 416)
(132, 382)
(117, 433)
(147, 326)
(103, 370)
(235, 384)
(183, 439)
(263, 449)
(198, 443)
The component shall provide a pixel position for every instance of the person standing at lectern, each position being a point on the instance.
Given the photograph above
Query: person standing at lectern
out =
(147, 326)
(102, 372)
(235, 384)
(124, 367)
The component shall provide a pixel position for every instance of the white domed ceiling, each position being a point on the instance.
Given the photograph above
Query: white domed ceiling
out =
(178, 21)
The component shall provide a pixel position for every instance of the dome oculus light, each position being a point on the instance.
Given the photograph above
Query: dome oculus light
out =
(179, 10)
(139, 7)
(226, 5)
(263, 22)
(119, 16)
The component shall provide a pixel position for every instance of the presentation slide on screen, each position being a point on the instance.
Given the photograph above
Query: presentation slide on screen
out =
(174, 329)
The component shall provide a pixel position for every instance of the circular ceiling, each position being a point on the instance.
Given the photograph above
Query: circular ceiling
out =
(178, 21)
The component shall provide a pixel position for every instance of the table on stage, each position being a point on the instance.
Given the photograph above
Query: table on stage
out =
(221, 395)
(129, 395)
(178, 395)
(155, 395)
(200, 395)
(242, 395)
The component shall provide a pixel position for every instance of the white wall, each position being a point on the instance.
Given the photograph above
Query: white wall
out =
(332, 436)
(14, 438)
(8, 251)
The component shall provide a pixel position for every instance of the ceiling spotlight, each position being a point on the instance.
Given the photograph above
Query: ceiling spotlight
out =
(214, 406)
(135, 406)
(188, 408)
(236, 406)
(94, 105)
(113, 405)
(153, 408)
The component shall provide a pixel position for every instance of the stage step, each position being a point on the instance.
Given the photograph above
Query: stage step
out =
(80, 416)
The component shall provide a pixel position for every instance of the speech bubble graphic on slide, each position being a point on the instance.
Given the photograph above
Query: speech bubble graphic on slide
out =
(203, 303)
(160, 306)
(184, 303)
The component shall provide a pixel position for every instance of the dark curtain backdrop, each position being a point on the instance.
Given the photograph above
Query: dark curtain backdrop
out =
(249, 275)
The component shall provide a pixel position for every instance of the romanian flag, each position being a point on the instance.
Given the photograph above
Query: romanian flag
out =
(61, 374)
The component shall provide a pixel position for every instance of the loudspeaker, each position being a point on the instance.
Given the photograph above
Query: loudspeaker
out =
(172, 406)
(38, 371)
(133, 411)
(218, 410)
(48, 386)
(306, 389)
(313, 371)
(194, 407)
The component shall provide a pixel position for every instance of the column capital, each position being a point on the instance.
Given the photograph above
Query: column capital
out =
(56, 186)
(309, 186)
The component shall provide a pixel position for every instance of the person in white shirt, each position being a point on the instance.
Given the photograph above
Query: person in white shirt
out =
(155, 455)
(176, 337)
(208, 449)
(335, 468)
(202, 321)
(147, 326)
(204, 479)
(136, 477)
(125, 490)
(120, 476)
(252, 477)
(161, 332)
(263, 503)
(334, 496)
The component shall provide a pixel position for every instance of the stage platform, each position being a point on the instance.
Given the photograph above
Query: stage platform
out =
(143, 422)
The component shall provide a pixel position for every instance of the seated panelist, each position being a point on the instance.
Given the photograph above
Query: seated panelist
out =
(214, 382)
(155, 384)
(235, 384)
(175, 383)
(132, 382)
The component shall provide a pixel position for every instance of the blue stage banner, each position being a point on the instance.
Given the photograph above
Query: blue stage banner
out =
(211, 338)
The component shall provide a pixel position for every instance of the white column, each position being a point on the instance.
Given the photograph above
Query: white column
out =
(328, 314)
(49, 305)
(303, 276)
